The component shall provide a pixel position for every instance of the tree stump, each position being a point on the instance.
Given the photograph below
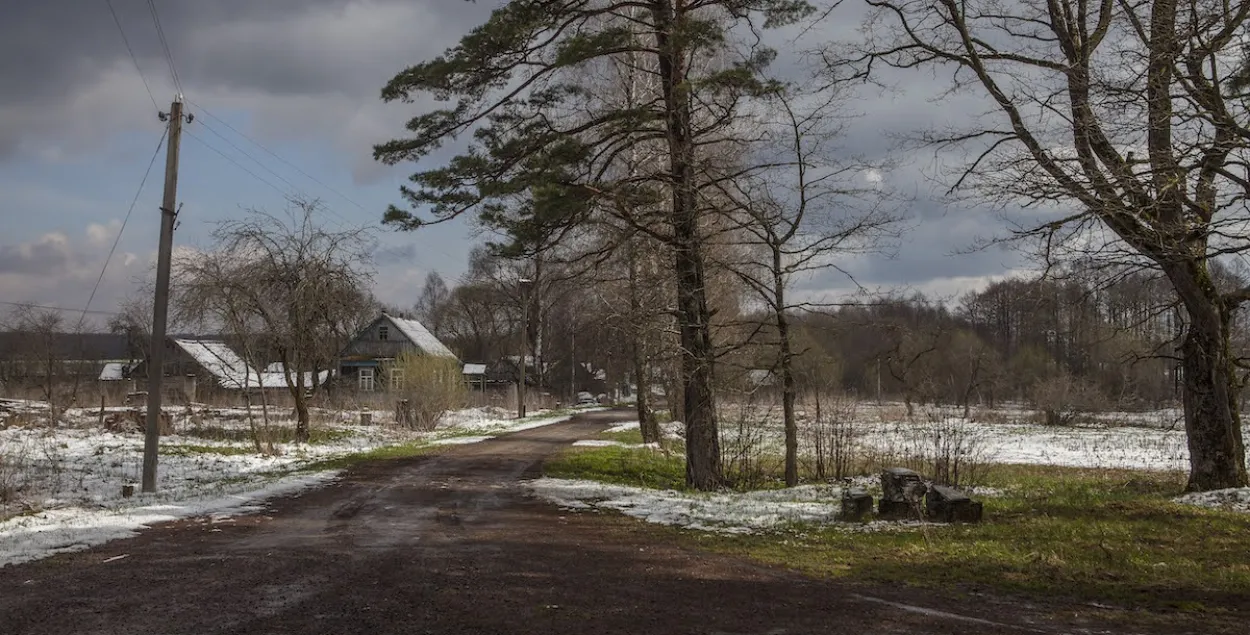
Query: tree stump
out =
(366, 418)
(901, 493)
(949, 505)
(856, 504)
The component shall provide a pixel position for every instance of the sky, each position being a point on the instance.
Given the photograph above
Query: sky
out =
(285, 95)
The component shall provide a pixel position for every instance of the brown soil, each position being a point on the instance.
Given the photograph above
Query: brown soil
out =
(450, 543)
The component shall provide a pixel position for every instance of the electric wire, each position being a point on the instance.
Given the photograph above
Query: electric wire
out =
(277, 156)
(122, 229)
(131, 51)
(169, 56)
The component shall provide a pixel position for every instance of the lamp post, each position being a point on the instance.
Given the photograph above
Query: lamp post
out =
(525, 327)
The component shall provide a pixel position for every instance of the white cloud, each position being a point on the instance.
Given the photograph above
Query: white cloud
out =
(101, 235)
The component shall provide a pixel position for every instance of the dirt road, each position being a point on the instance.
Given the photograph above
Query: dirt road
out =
(448, 544)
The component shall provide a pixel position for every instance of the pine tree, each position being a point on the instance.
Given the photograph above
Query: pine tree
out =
(547, 147)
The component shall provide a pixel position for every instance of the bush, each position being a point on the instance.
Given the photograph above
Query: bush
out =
(431, 386)
(1063, 399)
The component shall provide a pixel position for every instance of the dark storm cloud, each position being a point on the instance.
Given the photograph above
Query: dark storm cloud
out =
(54, 52)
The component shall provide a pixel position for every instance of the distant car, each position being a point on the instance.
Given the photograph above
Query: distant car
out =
(586, 399)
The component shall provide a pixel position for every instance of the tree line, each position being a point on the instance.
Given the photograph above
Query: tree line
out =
(660, 134)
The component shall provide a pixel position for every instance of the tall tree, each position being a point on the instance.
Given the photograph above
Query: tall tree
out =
(1124, 113)
(806, 207)
(544, 147)
(432, 303)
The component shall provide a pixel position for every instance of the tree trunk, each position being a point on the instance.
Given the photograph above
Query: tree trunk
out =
(1217, 457)
(646, 418)
(703, 459)
(786, 366)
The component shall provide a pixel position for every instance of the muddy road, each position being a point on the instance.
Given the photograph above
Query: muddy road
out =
(449, 543)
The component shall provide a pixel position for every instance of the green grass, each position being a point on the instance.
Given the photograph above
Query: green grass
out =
(401, 451)
(188, 450)
(624, 436)
(1096, 535)
(1110, 536)
(639, 467)
(276, 433)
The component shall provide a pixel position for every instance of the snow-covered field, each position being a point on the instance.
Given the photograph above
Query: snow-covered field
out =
(61, 488)
(1145, 441)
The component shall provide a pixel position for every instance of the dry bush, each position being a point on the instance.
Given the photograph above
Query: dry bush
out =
(1063, 400)
(830, 431)
(748, 441)
(955, 447)
(432, 386)
(941, 446)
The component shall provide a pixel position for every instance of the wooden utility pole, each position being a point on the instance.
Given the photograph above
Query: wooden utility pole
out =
(525, 337)
(160, 307)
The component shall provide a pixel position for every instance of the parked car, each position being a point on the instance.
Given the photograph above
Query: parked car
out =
(586, 399)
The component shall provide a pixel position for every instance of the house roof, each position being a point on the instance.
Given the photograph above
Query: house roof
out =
(230, 371)
(113, 371)
(475, 369)
(420, 336)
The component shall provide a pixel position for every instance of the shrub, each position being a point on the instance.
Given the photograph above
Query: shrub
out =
(431, 386)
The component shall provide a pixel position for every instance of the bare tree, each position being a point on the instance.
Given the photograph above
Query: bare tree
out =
(794, 214)
(1120, 119)
(303, 284)
(41, 351)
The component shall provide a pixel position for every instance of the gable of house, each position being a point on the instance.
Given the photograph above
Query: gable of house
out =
(388, 336)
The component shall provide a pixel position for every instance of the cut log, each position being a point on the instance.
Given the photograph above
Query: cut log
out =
(901, 493)
(856, 504)
(949, 505)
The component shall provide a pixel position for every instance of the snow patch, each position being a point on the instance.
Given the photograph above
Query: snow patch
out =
(732, 513)
(73, 529)
(609, 443)
(1235, 499)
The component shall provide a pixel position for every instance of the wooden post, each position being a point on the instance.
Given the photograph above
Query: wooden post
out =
(160, 306)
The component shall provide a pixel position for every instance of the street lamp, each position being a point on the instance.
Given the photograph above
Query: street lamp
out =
(525, 327)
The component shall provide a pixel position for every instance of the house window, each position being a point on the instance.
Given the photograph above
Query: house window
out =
(384, 332)
(397, 378)
(365, 379)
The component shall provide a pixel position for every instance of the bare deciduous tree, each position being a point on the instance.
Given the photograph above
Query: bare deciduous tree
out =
(304, 285)
(1120, 119)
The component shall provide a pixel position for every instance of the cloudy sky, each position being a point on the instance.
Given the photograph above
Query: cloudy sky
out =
(301, 78)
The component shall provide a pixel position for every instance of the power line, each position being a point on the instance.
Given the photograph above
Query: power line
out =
(55, 308)
(278, 157)
(236, 163)
(294, 192)
(160, 33)
(131, 51)
(254, 160)
(122, 229)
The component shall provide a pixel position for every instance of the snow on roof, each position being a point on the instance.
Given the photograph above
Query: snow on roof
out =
(231, 371)
(421, 337)
(113, 371)
(475, 369)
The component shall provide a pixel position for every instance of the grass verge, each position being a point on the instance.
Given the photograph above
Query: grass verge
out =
(640, 467)
(1105, 536)
(400, 451)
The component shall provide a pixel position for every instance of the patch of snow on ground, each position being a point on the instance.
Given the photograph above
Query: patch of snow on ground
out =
(63, 486)
(1235, 499)
(670, 429)
(609, 443)
(717, 512)
(74, 529)
(459, 440)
